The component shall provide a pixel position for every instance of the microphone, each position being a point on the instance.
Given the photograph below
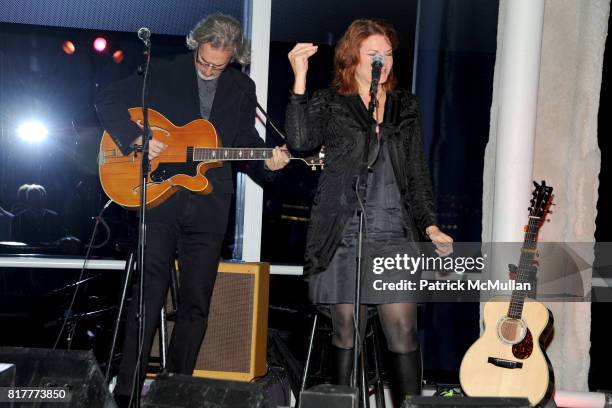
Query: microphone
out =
(377, 63)
(144, 34)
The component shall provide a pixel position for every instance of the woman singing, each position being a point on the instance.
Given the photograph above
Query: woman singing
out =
(384, 151)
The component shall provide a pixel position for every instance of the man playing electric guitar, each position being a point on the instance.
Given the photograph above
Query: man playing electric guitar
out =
(192, 86)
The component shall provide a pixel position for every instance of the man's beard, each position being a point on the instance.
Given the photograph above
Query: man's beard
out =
(206, 78)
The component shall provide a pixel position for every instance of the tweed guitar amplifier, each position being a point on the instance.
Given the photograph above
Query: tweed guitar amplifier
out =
(235, 344)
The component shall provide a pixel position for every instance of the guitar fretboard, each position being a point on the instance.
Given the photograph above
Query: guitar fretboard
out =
(528, 252)
(228, 153)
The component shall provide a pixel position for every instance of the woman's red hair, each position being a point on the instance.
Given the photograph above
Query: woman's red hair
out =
(346, 55)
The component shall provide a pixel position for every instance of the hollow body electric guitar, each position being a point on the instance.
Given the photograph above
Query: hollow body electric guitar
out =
(508, 360)
(192, 150)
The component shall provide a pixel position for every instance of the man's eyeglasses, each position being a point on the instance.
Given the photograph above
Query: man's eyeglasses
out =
(206, 64)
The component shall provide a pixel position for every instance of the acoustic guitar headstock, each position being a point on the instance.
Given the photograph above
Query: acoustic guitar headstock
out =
(542, 199)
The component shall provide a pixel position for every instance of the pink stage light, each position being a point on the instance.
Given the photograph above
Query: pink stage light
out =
(99, 44)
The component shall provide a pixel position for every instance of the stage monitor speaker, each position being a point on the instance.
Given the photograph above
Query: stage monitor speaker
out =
(464, 402)
(7, 375)
(183, 391)
(75, 370)
(329, 396)
(235, 344)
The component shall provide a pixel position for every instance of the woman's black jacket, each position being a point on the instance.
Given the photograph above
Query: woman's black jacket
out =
(343, 125)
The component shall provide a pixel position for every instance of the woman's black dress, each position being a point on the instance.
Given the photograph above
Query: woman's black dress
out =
(386, 237)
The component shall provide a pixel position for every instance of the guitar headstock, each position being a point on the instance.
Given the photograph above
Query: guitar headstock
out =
(542, 199)
(315, 161)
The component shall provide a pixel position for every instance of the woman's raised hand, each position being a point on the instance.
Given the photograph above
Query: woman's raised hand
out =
(298, 58)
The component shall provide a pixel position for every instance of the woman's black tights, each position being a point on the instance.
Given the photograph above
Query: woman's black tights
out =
(398, 320)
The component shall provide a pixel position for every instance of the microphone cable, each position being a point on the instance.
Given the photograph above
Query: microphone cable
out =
(68, 312)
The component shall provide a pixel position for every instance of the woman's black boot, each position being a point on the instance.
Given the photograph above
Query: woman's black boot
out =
(343, 365)
(407, 375)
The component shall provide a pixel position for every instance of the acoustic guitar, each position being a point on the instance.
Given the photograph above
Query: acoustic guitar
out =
(508, 360)
(192, 150)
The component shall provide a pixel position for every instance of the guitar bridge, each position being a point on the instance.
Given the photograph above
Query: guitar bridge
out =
(503, 363)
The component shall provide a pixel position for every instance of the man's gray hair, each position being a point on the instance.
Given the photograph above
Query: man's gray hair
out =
(221, 31)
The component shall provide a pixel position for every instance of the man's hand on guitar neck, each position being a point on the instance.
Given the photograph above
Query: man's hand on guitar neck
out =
(279, 159)
(155, 147)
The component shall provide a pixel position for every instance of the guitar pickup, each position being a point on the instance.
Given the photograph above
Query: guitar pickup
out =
(503, 363)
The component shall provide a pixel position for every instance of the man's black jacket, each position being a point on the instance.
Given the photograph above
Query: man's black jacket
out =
(173, 91)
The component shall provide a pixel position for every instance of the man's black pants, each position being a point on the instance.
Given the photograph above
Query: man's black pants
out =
(198, 256)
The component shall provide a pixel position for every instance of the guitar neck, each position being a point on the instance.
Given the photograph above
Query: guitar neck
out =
(526, 263)
(230, 154)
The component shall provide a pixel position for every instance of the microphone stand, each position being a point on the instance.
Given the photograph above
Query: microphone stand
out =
(358, 355)
(142, 226)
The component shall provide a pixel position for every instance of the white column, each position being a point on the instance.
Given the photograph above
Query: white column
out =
(516, 126)
(260, 51)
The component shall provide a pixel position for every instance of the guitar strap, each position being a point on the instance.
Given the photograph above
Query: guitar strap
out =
(268, 118)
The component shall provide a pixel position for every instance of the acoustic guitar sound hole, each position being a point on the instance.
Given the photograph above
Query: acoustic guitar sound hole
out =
(511, 330)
